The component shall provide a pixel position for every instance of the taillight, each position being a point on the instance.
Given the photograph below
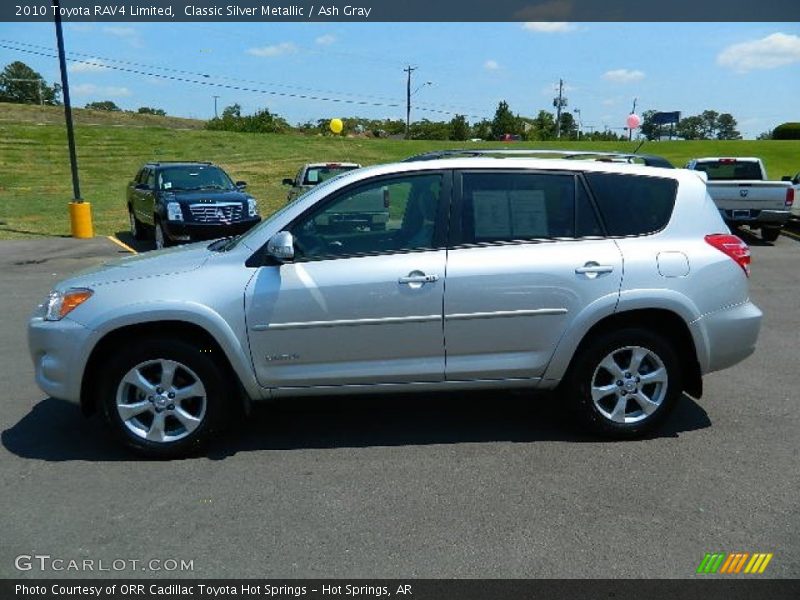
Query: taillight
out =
(734, 247)
(789, 197)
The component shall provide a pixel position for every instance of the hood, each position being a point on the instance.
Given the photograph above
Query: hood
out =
(151, 264)
(200, 196)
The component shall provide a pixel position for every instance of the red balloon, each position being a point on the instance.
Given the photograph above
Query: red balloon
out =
(633, 121)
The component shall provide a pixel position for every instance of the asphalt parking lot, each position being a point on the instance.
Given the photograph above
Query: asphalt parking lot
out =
(464, 486)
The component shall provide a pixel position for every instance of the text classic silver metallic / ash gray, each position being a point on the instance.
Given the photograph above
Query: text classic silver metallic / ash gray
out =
(616, 285)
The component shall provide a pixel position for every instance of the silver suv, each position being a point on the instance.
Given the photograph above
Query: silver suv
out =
(616, 286)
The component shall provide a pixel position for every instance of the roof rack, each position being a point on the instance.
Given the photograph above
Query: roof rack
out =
(179, 162)
(649, 160)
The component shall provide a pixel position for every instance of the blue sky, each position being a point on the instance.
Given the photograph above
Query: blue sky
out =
(751, 70)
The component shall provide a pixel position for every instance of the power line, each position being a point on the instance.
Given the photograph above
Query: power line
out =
(100, 61)
(209, 83)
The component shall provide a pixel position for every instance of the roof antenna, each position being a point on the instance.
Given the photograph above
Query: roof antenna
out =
(639, 146)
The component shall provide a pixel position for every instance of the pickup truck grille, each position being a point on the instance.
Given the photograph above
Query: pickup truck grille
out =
(227, 212)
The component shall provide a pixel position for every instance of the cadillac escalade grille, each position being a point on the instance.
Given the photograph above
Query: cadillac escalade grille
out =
(216, 213)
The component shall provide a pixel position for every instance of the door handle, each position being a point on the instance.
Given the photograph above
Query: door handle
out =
(593, 269)
(417, 277)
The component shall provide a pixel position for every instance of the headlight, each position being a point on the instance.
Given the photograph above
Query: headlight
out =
(60, 304)
(174, 212)
(252, 207)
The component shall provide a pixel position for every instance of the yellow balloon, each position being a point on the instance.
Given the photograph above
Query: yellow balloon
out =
(336, 125)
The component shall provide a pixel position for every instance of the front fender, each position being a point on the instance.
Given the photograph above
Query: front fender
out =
(193, 313)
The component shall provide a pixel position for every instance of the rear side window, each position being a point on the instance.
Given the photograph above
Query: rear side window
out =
(505, 207)
(633, 204)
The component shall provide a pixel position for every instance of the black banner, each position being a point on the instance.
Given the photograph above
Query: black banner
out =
(405, 10)
(734, 588)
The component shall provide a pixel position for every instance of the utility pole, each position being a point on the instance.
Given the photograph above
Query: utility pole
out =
(73, 159)
(559, 103)
(215, 106)
(409, 69)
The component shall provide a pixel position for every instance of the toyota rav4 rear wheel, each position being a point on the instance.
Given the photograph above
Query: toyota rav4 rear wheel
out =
(624, 383)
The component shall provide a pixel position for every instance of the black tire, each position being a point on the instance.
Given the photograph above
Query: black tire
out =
(770, 234)
(158, 230)
(136, 226)
(149, 355)
(586, 371)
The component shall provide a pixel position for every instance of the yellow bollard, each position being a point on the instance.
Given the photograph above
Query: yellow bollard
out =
(80, 220)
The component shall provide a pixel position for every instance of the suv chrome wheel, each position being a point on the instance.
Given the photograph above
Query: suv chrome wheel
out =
(161, 400)
(629, 384)
(624, 382)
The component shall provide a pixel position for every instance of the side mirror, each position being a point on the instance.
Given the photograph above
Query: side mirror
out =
(288, 181)
(786, 178)
(281, 246)
(241, 184)
(142, 186)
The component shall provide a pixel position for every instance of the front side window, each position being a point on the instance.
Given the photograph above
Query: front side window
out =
(315, 175)
(506, 207)
(150, 179)
(390, 215)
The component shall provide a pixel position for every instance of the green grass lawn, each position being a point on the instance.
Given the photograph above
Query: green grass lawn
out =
(35, 182)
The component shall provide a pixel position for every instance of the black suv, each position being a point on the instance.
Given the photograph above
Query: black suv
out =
(185, 201)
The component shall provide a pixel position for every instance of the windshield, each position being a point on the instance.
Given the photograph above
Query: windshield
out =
(730, 170)
(194, 177)
(315, 175)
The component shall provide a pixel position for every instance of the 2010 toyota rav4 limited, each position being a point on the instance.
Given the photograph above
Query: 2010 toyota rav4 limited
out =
(615, 285)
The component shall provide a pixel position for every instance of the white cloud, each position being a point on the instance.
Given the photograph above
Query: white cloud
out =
(120, 31)
(623, 75)
(276, 50)
(549, 26)
(325, 40)
(88, 66)
(79, 27)
(491, 65)
(775, 50)
(90, 89)
(129, 34)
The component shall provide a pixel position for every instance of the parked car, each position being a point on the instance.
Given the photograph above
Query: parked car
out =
(184, 201)
(744, 196)
(614, 286)
(795, 193)
(313, 174)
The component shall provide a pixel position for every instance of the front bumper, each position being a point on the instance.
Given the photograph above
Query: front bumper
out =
(729, 335)
(56, 348)
(184, 231)
(776, 218)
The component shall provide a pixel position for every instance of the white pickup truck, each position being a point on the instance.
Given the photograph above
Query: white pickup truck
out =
(744, 196)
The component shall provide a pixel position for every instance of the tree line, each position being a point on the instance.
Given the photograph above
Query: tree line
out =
(19, 83)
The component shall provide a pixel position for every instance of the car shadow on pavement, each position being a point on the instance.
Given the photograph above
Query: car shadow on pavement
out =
(139, 245)
(56, 431)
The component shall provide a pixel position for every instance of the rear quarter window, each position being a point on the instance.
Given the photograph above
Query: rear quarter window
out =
(633, 204)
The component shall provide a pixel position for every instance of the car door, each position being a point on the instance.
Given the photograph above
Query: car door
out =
(528, 257)
(357, 305)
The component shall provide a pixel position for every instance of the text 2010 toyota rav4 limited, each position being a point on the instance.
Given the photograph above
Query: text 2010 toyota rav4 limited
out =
(616, 285)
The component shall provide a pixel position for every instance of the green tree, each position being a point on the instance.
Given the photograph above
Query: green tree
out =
(482, 130)
(104, 105)
(459, 128)
(147, 110)
(710, 120)
(569, 128)
(726, 128)
(691, 128)
(650, 130)
(543, 127)
(505, 122)
(22, 85)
